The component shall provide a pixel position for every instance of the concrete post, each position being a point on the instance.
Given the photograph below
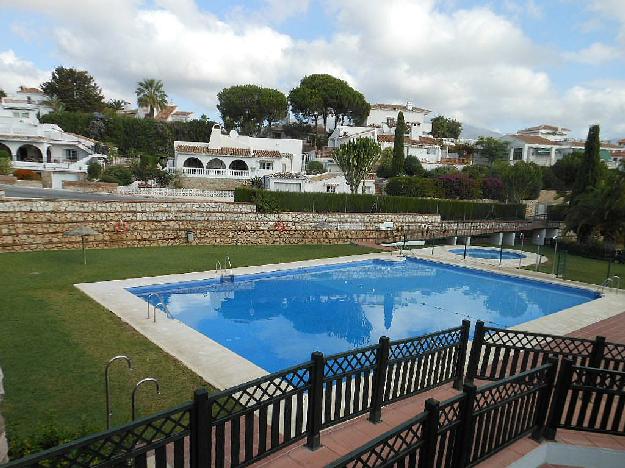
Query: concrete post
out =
(538, 236)
(551, 233)
(453, 240)
(509, 237)
(462, 240)
(496, 238)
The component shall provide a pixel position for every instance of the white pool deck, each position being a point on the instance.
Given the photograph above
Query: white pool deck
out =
(223, 368)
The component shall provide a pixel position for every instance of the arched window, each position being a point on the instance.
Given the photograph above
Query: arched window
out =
(29, 153)
(194, 163)
(5, 148)
(215, 163)
(238, 165)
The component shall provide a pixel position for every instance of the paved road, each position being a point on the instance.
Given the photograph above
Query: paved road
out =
(32, 192)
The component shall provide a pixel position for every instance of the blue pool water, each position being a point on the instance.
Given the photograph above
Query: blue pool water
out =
(489, 253)
(277, 319)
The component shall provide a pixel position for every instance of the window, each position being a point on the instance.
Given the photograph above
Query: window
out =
(16, 114)
(71, 155)
(283, 167)
(331, 188)
(517, 154)
(367, 189)
(266, 165)
(287, 187)
(390, 121)
(25, 115)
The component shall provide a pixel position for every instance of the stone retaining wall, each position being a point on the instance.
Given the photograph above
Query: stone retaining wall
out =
(205, 183)
(40, 224)
(88, 187)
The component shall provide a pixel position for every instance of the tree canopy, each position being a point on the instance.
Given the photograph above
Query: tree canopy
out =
(522, 180)
(2, 94)
(356, 158)
(247, 108)
(151, 94)
(76, 89)
(443, 127)
(322, 95)
(398, 145)
(492, 149)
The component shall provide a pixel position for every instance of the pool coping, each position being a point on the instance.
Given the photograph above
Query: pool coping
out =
(223, 368)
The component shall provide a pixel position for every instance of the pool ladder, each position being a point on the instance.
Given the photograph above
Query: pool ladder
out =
(609, 282)
(159, 305)
(226, 271)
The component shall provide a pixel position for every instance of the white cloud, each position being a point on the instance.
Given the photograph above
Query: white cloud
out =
(16, 72)
(467, 62)
(594, 54)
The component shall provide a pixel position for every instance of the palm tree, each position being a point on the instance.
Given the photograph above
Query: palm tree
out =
(54, 103)
(150, 93)
(116, 104)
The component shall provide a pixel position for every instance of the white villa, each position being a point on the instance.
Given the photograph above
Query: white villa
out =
(546, 152)
(384, 116)
(235, 156)
(548, 132)
(44, 148)
(26, 103)
(328, 182)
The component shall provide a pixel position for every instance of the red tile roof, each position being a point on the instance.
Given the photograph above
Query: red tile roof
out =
(534, 140)
(424, 140)
(182, 113)
(24, 89)
(399, 107)
(165, 113)
(552, 128)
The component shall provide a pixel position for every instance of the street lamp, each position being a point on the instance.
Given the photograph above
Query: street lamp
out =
(555, 256)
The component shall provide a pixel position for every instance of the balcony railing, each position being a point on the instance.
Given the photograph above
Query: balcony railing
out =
(200, 172)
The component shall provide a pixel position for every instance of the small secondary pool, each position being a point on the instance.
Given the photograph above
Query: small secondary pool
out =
(489, 253)
(276, 319)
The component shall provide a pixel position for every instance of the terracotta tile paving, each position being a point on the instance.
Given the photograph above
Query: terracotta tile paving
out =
(342, 439)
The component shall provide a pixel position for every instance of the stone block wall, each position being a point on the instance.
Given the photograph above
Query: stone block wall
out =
(204, 183)
(40, 224)
(86, 186)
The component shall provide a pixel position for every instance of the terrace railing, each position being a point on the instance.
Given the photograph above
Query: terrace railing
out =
(497, 353)
(465, 429)
(588, 399)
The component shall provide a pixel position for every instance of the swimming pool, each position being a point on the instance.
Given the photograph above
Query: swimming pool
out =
(489, 254)
(277, 319)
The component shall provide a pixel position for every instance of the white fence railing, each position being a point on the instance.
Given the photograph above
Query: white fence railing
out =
(199, 172)
(220, 195)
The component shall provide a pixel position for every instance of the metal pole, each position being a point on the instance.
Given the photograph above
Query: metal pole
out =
(555, 257)
(538, 257)
(109, 413)
(134, 393)
(501, 249)
(84, 253)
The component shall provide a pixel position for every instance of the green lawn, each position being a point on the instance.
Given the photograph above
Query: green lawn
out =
(54, 340)
(586, 270)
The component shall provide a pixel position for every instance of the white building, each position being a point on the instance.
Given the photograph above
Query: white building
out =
(45, 148)
(26, 103)
(548, 132)
(546, 152)
(385, 116)
(235, 156)
(329, 182)
(168, 113)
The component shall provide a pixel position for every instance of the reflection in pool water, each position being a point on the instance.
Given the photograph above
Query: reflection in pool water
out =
(277, 319)
(489, 253)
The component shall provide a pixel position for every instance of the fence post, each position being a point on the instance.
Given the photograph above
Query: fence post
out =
(462, 354)
(559, 398)
(476, 351)
(430, 433)
(200, 438)
(464, 433)
(315, 399)
(596, 354)
(542, 405)
(379, 379)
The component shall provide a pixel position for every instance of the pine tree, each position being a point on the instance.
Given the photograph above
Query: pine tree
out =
(398, 145)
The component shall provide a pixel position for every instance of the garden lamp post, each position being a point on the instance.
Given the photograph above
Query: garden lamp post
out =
(82, 232)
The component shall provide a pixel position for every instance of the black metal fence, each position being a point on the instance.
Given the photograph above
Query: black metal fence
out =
(497, 353)
(465, 429)
(241, 425)
(588, 399)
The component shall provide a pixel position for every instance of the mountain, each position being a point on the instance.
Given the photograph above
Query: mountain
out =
(472, 132)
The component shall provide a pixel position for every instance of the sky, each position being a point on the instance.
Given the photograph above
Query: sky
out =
(499, 64)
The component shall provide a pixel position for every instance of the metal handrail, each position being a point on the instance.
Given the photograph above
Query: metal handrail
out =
(217, 266)
(153, 294)
(164, 309)
(107, 390)
(134, 393)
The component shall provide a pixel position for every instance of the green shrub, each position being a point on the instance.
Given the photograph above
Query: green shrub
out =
(356, 203)
(413, 167)
(6, 167)
(46, 437)
(94, 170)
(266, 202)
(121, 175)
(413, 187)
(257, 182)
(314, 167)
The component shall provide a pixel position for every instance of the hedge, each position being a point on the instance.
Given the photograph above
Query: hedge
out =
(338, 203)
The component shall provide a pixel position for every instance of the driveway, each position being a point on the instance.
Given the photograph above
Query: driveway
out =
(13, 191)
